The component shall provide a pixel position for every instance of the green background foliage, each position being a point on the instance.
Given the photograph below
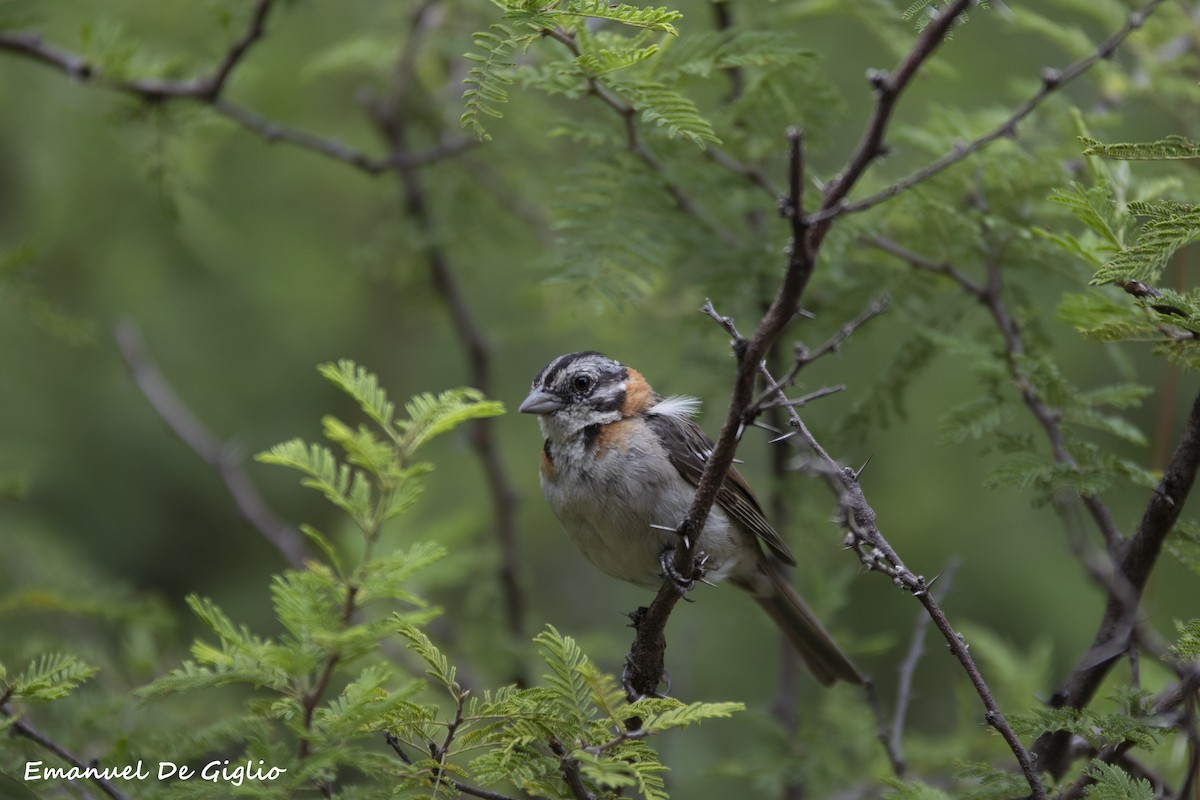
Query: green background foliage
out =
(245, 262)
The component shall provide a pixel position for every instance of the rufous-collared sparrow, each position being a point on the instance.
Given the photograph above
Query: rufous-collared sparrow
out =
(619, 468)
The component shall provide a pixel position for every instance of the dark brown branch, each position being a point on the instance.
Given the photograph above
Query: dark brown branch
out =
(23, 729)
(222, 457)
(1135, 560)
(571, 773)
(804, 357)
(392, 120)
(211, 88)
(1052, 80)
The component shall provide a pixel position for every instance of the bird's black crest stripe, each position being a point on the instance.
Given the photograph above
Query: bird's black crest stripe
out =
(562, 362)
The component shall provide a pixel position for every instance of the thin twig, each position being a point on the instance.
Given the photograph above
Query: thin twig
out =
(222, 457)
(1052, 80)
(21, 727)
(804, 356)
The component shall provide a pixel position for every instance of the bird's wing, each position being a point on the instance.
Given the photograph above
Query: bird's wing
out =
(689, 449)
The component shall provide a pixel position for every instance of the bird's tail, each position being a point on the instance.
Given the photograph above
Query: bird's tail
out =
(820, 652)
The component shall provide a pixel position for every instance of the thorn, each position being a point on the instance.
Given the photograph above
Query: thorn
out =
(864, 466)
(706, 580)
(738, 461)
(786, 436)
(765, 426)
(666, 528)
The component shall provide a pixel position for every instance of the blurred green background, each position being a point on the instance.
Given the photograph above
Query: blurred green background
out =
(245, 264)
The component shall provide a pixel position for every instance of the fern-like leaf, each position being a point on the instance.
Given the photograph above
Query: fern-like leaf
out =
(431, 415)
(650, 18)
(50, 677)
(345, 488)
(1170, 227)
(1114, 783)
(486, 80)
(1171, 148)
(668, 109)
(364, 387)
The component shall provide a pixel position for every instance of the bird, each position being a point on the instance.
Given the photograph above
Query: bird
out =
(619, 468)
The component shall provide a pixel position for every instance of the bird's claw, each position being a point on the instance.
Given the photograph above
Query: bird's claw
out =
(666, 560)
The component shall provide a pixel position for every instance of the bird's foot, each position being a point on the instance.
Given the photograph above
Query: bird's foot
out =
(666, 560)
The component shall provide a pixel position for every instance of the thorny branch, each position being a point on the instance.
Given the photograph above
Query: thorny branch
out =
(22, 728)
(644, 664)
(224, 458)
(864, 537)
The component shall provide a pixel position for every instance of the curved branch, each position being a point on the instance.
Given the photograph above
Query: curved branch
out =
(192, 432)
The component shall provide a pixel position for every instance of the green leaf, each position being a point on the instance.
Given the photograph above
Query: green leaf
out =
(683, 715)
(50, 677)
(345, 488)
(431, 415)
(667, 108)
(363, 386)
(1170, 226)
(655, 19)
(439, 666)
(1171, 148)
(1187, 646)
(912, 790)
(566, 662)
(486, 80)
(1114, 783)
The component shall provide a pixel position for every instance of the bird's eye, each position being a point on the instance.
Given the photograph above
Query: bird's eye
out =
(581, 383)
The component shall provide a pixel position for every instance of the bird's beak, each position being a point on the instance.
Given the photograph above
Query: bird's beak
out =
(540, 402)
